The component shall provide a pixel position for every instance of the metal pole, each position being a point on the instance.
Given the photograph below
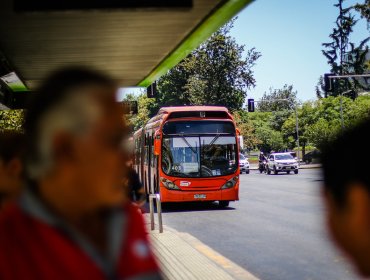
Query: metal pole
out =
(341, 111)
(157, 197)
(151, 209)
(159, 211)
(296, 128)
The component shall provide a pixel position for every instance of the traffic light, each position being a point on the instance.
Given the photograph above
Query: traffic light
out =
(250, 105)
(328, 82)
(151, 91)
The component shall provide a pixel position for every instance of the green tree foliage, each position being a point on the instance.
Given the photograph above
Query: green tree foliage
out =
(343, 56)
(268, 138)
(306, 117)
(247, 130)
(146, 108)
(271, 140)
(318, 121)
(214, 74)
(358, 110)
(322, 131)
(364, 10)
(269, 101)
(11, 120)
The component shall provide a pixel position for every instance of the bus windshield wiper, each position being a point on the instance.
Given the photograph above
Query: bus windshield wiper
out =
(213, 141)
(187, 143)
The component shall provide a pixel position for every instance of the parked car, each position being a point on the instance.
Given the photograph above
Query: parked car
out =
(243, 164)
(313, 156)
(282, 162)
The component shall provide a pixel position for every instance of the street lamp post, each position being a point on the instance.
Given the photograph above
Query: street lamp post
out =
(297, 131)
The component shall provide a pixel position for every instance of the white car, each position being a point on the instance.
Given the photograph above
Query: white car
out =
(282, 162)
(243, 164)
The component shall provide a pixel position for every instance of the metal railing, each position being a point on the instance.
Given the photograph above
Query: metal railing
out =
(157, 197)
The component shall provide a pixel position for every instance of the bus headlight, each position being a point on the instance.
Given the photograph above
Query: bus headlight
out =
(169, 184)
(231, 183)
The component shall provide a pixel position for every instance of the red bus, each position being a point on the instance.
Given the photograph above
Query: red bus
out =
(189, 153)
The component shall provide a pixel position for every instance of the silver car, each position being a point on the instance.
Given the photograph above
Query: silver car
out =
(282, 162)
(243, 164)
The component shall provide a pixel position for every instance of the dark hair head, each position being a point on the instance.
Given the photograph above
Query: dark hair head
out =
(345, 161)
(11, 145)
(60, 87)
(57, 87)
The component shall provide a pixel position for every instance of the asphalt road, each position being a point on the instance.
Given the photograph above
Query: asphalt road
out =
(276, 230)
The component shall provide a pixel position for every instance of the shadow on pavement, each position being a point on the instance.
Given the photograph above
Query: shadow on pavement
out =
(190, 206)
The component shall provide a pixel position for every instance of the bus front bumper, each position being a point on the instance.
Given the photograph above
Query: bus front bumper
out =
(182, 196)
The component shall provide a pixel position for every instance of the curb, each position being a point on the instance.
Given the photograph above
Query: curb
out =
(182, 256)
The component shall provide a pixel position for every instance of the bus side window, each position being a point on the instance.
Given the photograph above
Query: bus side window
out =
(152, 150)
(145, 149)
(139, 151)
(135, 156)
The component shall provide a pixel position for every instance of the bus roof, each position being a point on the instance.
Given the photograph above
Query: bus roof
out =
(191, 108)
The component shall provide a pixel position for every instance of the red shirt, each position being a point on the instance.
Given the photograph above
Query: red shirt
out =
(31, 248)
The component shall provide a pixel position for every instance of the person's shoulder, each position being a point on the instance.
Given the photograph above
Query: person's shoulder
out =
(10, 217)
(9, 212)
(132, 210)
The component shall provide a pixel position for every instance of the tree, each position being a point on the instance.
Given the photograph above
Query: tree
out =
(172, 86)
(343, 56)
(269, 101)
(11, 120)
(146, 108)
(306, 117)
(322, 131)
(358, 111)
(268, 138)
(214, 74)
(364, 10)
(247, 130)
(320, 121)
(271, 140)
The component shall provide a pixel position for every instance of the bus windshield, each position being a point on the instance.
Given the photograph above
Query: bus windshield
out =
(208, 149)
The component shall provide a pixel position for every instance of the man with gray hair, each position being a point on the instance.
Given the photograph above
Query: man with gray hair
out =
(73, 220)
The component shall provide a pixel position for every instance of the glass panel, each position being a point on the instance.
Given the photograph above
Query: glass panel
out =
(199, 127)
(180, 156)
(219, 155)
(199, 156)
(282, 157)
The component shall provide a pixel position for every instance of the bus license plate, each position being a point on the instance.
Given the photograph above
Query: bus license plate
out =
(200, 196)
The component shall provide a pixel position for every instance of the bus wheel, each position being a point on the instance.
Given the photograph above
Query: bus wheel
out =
(223, 203)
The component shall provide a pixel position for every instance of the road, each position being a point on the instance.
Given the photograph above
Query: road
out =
(276, 230)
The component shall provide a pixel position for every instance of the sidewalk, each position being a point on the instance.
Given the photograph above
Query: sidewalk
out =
(183, 257)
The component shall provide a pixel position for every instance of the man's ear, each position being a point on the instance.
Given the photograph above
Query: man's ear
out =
(63, 148)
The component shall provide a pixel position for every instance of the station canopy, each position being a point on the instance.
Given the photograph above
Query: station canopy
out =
(135, 41)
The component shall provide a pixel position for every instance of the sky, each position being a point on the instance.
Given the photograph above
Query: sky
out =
(289, 34)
